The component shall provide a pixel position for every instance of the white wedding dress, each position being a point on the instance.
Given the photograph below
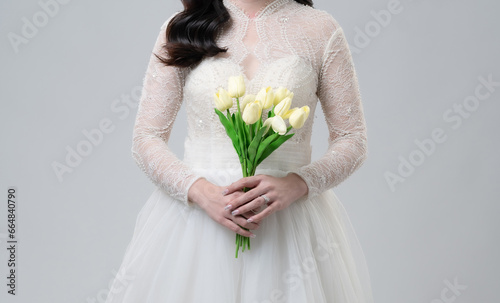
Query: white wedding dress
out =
(306, 253)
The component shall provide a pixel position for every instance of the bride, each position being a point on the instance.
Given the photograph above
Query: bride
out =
(304, 248)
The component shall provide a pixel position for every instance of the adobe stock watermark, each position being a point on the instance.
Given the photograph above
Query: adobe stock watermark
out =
(94, 137)
(450, 292)
(297, 273)
(116, 285)
(454, 117)
(381, 19)
(30, 27)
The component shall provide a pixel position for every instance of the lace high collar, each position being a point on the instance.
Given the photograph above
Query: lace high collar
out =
(271, 7)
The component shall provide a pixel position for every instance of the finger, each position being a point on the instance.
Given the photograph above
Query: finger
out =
(247, 197)
(248, 215)
(251, 181)
(242, 221)
(226, 200)
(256, 202)
(253, 212)
(266, 212)
(234, 227)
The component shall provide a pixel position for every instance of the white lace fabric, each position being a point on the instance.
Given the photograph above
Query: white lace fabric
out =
(298, 47)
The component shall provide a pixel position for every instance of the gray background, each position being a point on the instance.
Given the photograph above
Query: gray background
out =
(439, 226)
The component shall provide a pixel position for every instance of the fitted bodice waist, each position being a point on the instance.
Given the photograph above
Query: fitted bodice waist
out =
(211, 153)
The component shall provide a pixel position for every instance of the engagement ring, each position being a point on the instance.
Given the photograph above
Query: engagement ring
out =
(265, 198)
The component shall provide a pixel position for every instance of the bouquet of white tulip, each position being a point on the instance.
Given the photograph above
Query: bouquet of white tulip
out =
(251, 137)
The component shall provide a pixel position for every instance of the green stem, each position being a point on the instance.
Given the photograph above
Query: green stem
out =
(251, 131)
(242, 241)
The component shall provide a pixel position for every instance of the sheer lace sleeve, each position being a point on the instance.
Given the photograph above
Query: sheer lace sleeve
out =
(159, 104)
(340, 99)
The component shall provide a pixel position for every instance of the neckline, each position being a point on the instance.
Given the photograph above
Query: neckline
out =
(266, 10)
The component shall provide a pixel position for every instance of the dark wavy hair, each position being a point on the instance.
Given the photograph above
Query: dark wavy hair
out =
(191, 34)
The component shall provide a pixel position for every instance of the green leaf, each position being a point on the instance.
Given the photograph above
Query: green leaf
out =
(230, 131)
(249, 168)
(233, 119)
(273, 146)
(252, 132)
(247, 133)
(229, 117)
(263, 145)
(240, 130)
(257, 125)
(254, 145)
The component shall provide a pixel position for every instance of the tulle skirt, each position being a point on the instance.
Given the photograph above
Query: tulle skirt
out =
(305, 253)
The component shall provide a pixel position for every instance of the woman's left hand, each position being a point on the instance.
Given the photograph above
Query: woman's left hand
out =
(281, 191)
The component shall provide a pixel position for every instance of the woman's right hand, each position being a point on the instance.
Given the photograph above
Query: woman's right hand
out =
(209, 197)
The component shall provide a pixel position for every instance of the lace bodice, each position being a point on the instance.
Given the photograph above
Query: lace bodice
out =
(298, 47)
